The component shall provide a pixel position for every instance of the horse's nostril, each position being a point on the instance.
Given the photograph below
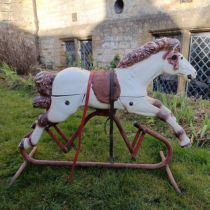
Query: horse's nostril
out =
(189, 76)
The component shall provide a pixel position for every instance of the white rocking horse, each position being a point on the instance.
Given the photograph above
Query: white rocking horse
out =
(64, 93)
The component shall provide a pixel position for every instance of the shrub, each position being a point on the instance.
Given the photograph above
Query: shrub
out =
(114, 62)
(16, 82)
(17, 49)
(192, 114)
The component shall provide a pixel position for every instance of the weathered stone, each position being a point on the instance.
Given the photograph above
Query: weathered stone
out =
(96, 19)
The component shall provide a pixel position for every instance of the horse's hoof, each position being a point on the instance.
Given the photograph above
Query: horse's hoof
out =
(187, 145)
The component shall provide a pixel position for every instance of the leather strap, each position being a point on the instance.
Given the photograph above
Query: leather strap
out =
(81, 126)
(111, 114)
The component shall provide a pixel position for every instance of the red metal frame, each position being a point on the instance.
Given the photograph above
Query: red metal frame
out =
(133, 148)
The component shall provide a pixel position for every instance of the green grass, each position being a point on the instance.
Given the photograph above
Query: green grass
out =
(46, 188)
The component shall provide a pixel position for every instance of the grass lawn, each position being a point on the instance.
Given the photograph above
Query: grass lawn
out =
(46, 188)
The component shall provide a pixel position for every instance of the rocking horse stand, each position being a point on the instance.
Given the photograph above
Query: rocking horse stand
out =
(160, 56)
(132, 147)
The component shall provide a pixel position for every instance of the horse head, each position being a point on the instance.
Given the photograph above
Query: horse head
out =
(173, 61)
(176, 64)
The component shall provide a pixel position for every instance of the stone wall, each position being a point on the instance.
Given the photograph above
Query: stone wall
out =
(140, 20)
(69, 18)
(5, 8)
(52, 52)
(19, 13)
(144, 8)
(22, 15)
(17, 18)
(64, 20)
(111, 33)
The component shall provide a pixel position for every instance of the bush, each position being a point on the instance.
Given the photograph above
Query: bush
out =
(192, 114)
(16, 82)
(114, 62)
(17, 50)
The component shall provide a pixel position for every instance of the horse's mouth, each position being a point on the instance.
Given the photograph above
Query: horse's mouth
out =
(189, 77)
(187, 145)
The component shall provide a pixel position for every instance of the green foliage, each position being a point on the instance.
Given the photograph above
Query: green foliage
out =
(205, 132)
(178, 105)
(46, 188)
(9, 76)
(114, 62)
(191, 115)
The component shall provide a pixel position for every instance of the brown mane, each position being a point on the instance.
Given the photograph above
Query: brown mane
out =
(149, 49)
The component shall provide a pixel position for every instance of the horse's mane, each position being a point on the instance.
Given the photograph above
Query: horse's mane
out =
(149, 49)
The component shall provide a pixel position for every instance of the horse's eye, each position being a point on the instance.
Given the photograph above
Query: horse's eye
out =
(174, 57)
(181, 58)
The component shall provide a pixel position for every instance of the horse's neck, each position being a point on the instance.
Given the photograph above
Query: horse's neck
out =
(147, 70)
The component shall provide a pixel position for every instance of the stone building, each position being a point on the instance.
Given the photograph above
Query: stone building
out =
(76, 32)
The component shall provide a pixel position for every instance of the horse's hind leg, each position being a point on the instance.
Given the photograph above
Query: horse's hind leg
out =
(61, 108)
(43, 121)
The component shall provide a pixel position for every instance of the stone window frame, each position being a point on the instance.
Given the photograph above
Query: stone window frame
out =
(77, 44)
(75, 40)
(70, 52)
(192, 32)
(86, 55)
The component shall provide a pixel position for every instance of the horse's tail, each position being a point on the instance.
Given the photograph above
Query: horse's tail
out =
(43, 81)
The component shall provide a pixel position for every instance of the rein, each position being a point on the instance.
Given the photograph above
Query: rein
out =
(111, 114)
(81, 127)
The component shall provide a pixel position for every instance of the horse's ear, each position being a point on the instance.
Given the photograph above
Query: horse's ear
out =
(176, 46)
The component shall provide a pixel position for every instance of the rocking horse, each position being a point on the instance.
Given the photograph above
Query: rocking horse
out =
(124, 88)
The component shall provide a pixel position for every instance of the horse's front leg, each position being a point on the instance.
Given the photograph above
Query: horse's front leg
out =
(33, 138)
(165, 114)
(150, 107)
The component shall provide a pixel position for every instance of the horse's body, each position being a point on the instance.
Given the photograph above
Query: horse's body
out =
(134, 74)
